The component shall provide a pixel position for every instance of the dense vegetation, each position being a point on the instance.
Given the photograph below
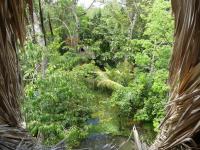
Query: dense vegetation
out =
(101, 69)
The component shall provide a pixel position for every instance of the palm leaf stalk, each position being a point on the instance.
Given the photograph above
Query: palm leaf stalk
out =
(181, 126)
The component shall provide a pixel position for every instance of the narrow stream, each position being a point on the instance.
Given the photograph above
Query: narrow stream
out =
(104, 139)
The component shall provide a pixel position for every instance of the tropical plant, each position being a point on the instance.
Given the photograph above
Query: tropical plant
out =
(111, 59)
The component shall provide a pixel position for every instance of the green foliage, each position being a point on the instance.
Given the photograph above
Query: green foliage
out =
(31, 57)
(58, 105)
(157, 53)
(75, 135)
(120, 77)
(60, 100)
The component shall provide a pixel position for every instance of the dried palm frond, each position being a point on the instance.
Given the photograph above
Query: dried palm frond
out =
(181, 126)
(12, 34)
(12, 30)
(11, 138)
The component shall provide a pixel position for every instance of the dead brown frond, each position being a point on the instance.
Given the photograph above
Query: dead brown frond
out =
(181, 125)
(11, 30)
(12, 33)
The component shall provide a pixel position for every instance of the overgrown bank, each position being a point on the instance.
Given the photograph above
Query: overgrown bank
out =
(110, 73)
